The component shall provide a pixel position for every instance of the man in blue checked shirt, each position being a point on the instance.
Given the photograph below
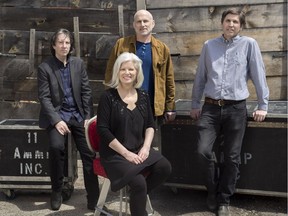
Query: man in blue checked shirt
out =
(225, 65)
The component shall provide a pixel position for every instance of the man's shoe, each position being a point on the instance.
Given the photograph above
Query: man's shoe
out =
(91, 202)
(224, 210)
(211, 202)
(91, 206)
(56, 200)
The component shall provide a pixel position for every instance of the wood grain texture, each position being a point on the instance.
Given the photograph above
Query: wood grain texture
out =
(191, 43)
(277, 87)
(184, 25)
(26, 90)
(185, 66)
(98, 4)
(50, 19)
(151, 4)
(209, 19)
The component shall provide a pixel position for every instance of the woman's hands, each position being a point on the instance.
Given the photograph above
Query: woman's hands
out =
(144, 153)
(131, 156)
(139, 158)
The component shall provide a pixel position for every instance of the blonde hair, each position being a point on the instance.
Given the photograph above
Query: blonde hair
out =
(125, 57)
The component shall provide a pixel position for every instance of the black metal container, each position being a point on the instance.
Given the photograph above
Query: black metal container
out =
(263, 169)
(24, 158)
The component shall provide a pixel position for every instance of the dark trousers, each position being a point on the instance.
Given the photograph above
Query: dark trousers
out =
(57, 155)
(141, 185)
(230, 122)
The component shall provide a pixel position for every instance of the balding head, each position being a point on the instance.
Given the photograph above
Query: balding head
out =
(143, 13)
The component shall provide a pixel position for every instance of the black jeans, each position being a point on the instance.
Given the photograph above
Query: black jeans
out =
(57, 155)
(230, 122)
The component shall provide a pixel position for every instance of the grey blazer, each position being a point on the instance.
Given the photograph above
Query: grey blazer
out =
(51, 94)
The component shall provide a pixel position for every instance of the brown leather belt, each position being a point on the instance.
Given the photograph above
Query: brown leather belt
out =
(221, 102)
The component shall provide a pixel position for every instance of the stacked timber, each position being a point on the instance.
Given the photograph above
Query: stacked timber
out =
(26, 27)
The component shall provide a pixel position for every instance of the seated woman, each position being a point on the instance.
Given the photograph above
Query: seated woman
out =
(125, 125)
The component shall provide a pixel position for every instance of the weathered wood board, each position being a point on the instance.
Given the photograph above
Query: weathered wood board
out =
(191, 43)
(22, 110)
(26, 90)
(103, 4)
(50, 19)
(277, 87)
(209, 18)
(92, 43)
(97, 47)
(152, 4)
(185, 66)
(183, 43)
(19, 110)
(30, 109)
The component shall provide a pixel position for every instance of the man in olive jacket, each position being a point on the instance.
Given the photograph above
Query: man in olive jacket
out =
(157, 65)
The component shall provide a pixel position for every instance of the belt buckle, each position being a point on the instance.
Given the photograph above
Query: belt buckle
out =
(220, 102)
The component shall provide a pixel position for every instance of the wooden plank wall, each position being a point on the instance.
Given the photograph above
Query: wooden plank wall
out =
(185, 25)
(26, 23)
(26, 26)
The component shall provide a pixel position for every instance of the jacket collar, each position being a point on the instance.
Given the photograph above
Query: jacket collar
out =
(58, 65)
(154, 43)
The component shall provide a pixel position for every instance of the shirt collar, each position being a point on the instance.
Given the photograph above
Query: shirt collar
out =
(234, 39)
(60, 63)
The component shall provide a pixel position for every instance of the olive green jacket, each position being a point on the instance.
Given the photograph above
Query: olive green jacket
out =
(164, 96)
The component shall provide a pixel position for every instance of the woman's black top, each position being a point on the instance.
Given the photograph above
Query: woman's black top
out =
(115, 120)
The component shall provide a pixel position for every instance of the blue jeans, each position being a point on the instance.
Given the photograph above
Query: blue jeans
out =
(229, 122)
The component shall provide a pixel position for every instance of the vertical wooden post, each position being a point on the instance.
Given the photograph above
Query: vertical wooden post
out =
(76, 36)
(39, 52)
(32, 51)
(140, 4)
(121, 20)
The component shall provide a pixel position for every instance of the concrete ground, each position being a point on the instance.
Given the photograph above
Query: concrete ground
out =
(185, 202)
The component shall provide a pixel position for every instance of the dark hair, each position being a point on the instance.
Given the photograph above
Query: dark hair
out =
(234, 11)
(55, 36)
